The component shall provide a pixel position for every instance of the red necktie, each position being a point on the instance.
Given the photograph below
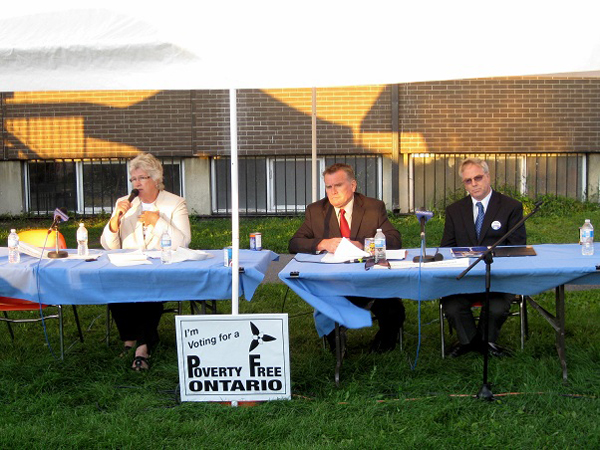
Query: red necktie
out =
(344, 228)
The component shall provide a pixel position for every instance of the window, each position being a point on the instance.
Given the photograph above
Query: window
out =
(87, 186)
(51, 185)
(103, 183)
(282, 185)
(290, 183)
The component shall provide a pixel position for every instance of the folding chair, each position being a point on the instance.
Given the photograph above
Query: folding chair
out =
(519, 300)
(38, 238)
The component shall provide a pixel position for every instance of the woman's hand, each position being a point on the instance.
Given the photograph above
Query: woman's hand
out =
(149, 217)
(122, 207)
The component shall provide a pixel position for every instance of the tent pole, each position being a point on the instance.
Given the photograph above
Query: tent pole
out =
(314, 146)
(235, 210)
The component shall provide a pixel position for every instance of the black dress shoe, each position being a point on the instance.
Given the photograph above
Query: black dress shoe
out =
(497, 351)
(461, 349)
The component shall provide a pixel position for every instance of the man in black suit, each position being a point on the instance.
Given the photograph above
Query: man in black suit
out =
(479, 219)
(345, 213)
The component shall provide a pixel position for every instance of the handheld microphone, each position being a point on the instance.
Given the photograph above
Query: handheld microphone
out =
(134, 194)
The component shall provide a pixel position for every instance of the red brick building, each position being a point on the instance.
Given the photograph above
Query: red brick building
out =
(69, 148)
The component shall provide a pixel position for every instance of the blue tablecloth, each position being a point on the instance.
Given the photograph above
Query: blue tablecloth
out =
(77, 282)
(324, 286)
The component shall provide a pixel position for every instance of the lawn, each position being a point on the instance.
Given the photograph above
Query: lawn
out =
(93, 400)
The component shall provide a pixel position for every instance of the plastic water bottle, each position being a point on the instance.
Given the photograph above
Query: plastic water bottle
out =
(82, 240)
(165, 248)
(586, 238)
(13, 247)
(379, 245)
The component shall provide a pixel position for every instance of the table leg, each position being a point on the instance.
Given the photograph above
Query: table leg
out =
(558, 323)
(560, 333)
(340, 349)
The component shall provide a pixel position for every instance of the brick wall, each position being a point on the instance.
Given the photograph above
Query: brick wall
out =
(501, 115)
(488, 115)
(98, 123)
(278, 121)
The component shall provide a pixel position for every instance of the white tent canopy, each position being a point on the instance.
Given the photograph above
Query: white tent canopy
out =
(93, 45)
(69, 45)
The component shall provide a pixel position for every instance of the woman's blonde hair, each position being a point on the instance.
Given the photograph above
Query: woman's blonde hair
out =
(151, 165)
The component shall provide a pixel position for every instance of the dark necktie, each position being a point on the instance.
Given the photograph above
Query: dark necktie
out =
(344, 228)
(479, 220)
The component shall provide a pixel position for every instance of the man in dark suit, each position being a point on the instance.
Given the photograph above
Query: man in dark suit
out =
(345, 213)
(479, 219)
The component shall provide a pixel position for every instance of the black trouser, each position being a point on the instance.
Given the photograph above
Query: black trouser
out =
(458, 310)
(389, 313)
(138, 321)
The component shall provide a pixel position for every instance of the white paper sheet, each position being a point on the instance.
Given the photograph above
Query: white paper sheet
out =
(345, 252)
(181, 254)
(128, 259)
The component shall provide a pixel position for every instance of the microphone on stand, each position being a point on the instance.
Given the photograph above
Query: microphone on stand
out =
(60, 215)
(423, 217)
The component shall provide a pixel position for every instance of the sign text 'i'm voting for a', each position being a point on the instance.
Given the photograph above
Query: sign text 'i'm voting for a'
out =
(233, 358)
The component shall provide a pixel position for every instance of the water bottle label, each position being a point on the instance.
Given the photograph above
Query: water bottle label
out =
(12, 242)
(587, 234)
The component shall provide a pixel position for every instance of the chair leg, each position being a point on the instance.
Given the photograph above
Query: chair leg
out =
(77, 323)
(442, 331)
(525, 299)
(523, 319)
(401, 338)
(61, 332)
(108, 325)
(10, 330)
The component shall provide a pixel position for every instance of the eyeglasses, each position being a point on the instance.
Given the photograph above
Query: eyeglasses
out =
(141, 178)
(382, 262)
(477, 179)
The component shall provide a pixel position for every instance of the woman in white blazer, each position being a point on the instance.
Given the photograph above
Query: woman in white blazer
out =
(139, 224)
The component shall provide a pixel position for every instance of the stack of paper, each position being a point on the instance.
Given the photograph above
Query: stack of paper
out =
(346, 252)
(128, 259)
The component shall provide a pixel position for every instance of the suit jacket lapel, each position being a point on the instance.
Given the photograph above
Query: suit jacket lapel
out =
(332, 226)
(358, 212)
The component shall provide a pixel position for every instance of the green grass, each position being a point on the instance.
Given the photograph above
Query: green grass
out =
(94, 400)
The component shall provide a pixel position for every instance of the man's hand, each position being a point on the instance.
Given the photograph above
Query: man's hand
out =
(331, 245)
